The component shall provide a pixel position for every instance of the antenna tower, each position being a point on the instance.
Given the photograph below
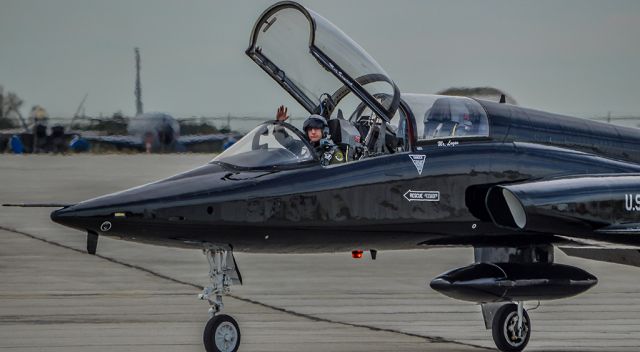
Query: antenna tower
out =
(138, 90)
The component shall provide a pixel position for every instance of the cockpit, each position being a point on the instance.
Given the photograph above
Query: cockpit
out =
(331, 75)
(270, 145)
(443, 117)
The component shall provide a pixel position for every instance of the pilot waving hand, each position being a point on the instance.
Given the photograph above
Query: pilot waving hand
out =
(316, 128)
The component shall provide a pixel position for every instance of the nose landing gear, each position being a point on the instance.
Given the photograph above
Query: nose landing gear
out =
(221, 334)
(511, 328)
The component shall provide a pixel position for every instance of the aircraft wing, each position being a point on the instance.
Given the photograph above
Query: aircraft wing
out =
(204, 138)
(625, 256)
(621, 229)
(131, 142)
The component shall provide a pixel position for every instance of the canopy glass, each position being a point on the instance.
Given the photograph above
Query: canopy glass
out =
(314, 60)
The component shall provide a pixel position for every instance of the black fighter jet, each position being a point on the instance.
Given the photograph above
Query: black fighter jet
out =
(422, 171)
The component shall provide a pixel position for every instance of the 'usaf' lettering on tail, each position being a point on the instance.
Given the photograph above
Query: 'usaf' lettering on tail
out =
(632, 202)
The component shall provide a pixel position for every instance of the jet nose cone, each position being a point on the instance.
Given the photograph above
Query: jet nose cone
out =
(79, 217)
(84, 217)
(65, 216)
(58, 215)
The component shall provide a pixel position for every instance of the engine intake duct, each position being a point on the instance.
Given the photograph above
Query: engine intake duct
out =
(569, 206)
(503, 282)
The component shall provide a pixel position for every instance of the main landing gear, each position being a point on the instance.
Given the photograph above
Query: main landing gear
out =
(221, 334)
(511, 328)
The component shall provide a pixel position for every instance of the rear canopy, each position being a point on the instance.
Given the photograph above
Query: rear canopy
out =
(315, 61)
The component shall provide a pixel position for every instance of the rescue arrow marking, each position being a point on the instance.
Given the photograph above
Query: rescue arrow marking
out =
(422, 196)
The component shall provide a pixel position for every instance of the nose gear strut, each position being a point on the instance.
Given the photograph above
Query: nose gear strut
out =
(220, 280)
(221, 333)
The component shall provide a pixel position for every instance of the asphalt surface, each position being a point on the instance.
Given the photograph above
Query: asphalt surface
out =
(54, 297)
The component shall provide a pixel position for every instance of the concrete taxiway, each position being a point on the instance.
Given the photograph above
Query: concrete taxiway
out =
(53, 297)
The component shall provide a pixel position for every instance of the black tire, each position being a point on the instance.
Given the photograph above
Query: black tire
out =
(221, 334)
(504, 330)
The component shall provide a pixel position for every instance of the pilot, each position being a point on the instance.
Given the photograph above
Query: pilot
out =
(315, 128)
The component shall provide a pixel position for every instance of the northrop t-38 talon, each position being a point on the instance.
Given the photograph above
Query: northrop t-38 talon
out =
(423, 171)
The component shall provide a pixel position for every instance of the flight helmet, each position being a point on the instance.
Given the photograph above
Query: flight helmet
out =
(315, 121)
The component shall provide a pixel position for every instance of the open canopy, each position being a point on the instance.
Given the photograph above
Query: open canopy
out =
(314, 61)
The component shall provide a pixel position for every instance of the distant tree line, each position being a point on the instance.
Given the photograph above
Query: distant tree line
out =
(9, 109)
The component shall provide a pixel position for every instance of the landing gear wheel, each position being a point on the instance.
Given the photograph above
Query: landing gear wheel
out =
(506, 333)
(222, 334)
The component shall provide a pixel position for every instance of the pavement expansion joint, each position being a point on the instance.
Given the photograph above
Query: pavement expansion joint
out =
(431, 339)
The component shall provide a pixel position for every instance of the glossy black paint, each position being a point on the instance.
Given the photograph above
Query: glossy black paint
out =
(368, 203)
(360, 204)
(509, 194)
(507, 282)
(513, 273)
(575, 205)
(514, 123)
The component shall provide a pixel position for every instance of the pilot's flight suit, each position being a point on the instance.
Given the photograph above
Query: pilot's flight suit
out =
(328, 152)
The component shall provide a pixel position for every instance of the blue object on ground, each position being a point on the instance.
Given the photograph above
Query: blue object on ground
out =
(229, 143)
(16, 145)
(79, 144)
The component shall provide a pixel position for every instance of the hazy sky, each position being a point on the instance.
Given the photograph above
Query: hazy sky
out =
(574, 57)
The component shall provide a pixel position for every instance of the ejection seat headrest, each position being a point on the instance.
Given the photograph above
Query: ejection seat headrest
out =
(439, 112)
(335, 131)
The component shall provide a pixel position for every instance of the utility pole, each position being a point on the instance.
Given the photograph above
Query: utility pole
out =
(80, 108)
(1, 102)
(138, 90)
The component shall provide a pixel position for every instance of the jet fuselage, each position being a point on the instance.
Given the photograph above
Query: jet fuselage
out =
(383, 202)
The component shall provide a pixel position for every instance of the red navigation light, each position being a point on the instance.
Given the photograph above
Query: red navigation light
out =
(357, 254)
